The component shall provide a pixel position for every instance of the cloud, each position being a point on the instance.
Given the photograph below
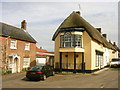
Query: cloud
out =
(43, 18)
(60, 0)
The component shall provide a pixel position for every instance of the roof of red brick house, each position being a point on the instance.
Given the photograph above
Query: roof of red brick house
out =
(15, 33)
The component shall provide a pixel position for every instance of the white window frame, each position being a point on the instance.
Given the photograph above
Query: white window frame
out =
(78, 41)
(67, 41)
(26, 62)
(27, 46)
(62, 41)
(70, 40)
(97, 60)
(101, 60)
(13, 44)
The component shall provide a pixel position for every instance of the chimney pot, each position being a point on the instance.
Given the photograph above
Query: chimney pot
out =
(23, 24)
(109, 41)
(78, 12)
(104, 35)
(114, 43)
(99, 29)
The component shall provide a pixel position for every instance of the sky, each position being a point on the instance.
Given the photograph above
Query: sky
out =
(43, 18)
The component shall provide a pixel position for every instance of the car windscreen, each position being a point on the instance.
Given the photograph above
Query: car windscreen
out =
(36, 68)
(114, 60)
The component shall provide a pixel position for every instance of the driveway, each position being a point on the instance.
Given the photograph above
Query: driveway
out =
(105, 79)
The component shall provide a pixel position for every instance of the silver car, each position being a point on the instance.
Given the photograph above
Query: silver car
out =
(115, 62)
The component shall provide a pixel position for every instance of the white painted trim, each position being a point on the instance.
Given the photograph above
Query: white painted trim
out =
(13, 63)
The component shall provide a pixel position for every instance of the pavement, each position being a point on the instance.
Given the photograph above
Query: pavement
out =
(105, 78)
(99, 71)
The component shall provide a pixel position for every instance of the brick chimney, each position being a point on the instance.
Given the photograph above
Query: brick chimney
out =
(109, 41)
(114, 43)
(104, 35)
(78, 12)
(99, 29)
(23, 25)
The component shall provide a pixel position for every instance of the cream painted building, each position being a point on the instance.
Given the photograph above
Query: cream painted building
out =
(79, 47)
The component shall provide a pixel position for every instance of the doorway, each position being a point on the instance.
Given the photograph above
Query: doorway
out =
(16, 65)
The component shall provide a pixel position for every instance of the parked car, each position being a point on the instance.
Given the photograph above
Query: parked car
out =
(115, 62)
(40, 72)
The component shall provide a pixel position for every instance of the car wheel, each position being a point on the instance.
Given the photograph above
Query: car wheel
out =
(44, 77)
(26, 79)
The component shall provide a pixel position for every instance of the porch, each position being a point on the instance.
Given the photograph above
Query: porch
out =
(14, 63)
(72, 61)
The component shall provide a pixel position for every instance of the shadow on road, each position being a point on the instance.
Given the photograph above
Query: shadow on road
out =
(27, 80)
(114, 68)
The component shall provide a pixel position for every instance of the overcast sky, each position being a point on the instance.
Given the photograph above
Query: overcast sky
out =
(43, 18)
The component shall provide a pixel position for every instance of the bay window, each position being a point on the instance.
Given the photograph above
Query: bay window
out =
(70, 40)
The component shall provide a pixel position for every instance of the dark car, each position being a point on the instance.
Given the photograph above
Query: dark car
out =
(40, 72)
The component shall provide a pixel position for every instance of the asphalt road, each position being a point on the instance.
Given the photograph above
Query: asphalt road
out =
(104, 79)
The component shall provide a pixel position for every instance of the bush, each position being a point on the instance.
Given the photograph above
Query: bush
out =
(24, 69)
(6, 72)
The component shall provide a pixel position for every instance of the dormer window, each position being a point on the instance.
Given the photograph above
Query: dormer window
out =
(13, 44)
(27, 46)
(70, 40)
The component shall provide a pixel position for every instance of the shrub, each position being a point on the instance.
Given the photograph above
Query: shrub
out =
(6, 72)
(24, 69)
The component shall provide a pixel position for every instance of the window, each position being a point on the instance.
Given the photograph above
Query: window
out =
(26, 62)
(70, 40)
(13, 44)
(62, 41)
(67, 40)
(27, 46)
(77, 40)
(99, 58)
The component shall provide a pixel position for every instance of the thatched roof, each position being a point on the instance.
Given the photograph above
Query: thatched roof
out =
(16, 33)
(75, 20)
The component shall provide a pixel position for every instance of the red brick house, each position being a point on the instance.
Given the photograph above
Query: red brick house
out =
(17, 48)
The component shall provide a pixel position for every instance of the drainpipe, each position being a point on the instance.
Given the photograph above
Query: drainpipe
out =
(7, 52)
(83, 63)
(74, 62)
(67, 62)
(60, 61)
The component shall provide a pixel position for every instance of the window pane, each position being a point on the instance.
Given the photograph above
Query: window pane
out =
(78, 40)
(27, 46)
(13, 44)
(62, 41)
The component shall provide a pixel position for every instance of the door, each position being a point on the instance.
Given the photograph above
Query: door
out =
(15, 65)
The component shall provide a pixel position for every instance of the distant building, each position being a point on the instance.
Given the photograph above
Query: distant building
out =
(81, 47)
(17, 48)
(43, 57)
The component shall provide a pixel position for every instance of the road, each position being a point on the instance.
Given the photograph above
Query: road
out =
(105, 79)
